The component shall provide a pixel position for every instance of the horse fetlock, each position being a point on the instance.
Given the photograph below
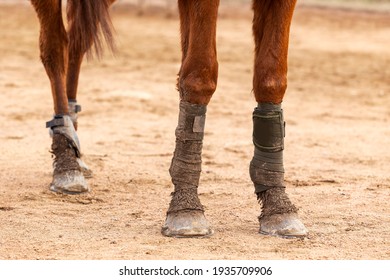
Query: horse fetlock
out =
(264, 179)
(275, 201)
(185, 173)
(184, 199)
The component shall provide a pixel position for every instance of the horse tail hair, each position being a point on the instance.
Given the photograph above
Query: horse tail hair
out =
(89, 25)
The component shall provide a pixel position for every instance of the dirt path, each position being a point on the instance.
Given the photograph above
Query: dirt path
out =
(337, 153)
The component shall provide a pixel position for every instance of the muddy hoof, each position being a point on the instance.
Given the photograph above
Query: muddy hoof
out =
(283, 225)
(186, 224)
(87, 172)
(71, 182)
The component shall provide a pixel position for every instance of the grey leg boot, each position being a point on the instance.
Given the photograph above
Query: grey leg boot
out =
(67, 175)
(75, 108)
(279, 215)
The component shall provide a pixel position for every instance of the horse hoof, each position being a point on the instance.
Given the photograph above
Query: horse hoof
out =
(186, 224)
(71, 182)
(87, 172)
(283, 225)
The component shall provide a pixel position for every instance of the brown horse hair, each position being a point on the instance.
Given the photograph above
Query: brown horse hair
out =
(89, 23)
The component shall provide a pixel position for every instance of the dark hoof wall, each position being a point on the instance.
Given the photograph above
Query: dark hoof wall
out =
(283, 225)
(71, 182)
(186, 224)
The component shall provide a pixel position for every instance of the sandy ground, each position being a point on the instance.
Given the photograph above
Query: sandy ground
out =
(337, 152)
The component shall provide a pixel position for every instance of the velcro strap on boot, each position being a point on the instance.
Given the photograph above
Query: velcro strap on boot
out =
(192, 119)
(73, 108)
(62, 124)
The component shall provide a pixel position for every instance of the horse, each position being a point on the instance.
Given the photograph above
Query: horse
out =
(89, 25)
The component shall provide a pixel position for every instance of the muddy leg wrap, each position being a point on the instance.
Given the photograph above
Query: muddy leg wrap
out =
(186, 163)
(266, 167)
(67, 175)
(278, 214)
(62, 124)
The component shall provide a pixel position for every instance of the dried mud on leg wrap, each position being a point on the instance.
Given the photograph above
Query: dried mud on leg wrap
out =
(64, 155)
(266, 167)
(67, 175)
(185, 216)
(275, 201)
(278, 215)
(187, 159)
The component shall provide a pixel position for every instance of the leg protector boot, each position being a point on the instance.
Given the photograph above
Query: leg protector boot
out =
(266, 167)
(278, 215)
(185, 216)
(74, 109)
(187, 159)
(67, 174)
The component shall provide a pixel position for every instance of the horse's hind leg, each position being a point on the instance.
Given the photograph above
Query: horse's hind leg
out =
(197, 83)
(80, 43)
(76, 55)
(271, 26)
(72, 79)
(53, 42)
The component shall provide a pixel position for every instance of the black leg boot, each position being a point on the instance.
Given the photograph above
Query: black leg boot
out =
(279, 215)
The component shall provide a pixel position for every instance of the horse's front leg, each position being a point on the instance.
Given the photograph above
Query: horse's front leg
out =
(67, 175)
(197, 83)
(271, 26)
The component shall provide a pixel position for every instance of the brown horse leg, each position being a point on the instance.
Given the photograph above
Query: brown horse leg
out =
(197, 83)
(79, 46)
(77, 49)
(83, 33)
(73, 70)
(53, 40)
(271, 27)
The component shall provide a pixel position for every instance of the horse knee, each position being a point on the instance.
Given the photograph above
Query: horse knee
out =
(270, 88)
(198, 86)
